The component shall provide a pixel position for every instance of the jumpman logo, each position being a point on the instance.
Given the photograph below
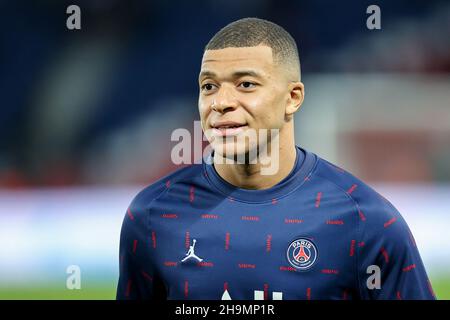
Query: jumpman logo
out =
(191, 254)
(302, 255)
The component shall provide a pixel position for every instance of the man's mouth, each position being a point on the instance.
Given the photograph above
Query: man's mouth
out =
(228, 128)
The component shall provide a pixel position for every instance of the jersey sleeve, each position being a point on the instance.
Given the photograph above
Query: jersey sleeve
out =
(390, 266)
(137, 277)
(128, 268)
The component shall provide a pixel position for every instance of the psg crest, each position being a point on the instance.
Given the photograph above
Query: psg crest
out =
(301, 254)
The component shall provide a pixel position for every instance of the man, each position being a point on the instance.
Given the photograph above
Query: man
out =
(308, 230)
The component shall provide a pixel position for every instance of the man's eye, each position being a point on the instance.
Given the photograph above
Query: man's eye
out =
(207, 87)
(247, 85)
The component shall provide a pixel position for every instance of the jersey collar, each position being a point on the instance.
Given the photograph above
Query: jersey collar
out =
(304, 163)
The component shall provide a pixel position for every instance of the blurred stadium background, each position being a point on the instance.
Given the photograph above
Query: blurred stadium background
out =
(86, 118)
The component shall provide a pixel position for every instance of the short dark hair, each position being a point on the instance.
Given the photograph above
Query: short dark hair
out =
(251, 32)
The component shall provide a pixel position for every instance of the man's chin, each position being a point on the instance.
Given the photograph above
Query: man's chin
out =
(232, 153)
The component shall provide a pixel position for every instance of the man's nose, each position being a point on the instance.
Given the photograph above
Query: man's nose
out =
(225, 100)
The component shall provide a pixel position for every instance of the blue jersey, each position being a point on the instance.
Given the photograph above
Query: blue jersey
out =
(320, 233)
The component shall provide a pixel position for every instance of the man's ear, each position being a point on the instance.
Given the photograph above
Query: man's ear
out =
(295, 98)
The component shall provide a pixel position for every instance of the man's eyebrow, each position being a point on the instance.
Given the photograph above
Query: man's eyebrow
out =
(235, 74)
(206, 73)
(244, 73)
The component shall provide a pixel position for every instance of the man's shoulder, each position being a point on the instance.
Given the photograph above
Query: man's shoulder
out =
(365, 198)
(343, 179)
(147, 195)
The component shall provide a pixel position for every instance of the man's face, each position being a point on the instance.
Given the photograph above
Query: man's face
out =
(241, 89)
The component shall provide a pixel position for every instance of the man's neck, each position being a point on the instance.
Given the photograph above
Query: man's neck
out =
(250, 176)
